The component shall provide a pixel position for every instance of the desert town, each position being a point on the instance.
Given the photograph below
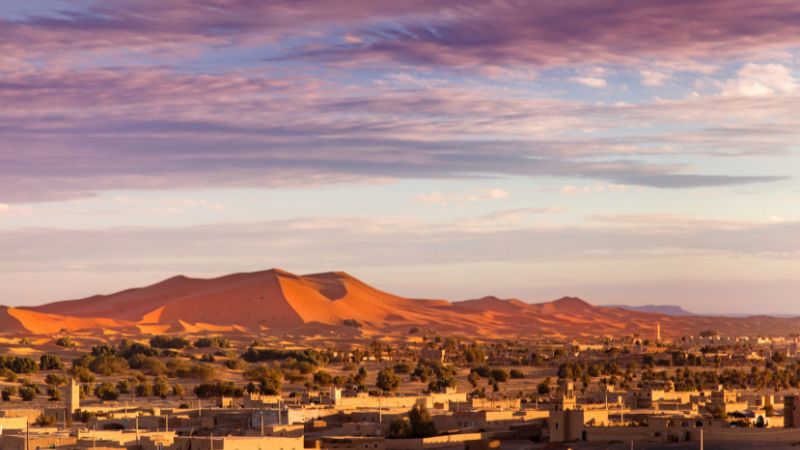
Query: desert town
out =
(432, 392)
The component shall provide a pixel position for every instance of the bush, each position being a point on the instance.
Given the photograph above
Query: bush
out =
(65, 341)
(387, 380)
(106, 391)
(314, 357)
(516, 374)
(82, 374)
(55, 379)
(212, 341)
(129, 349)
(403, 368)
(161, 387)
(49, 361)
(53, 393)
(108, 365)
(498, 375)
(124, 387)
(148, 364)
(217, 389)
(323, 378)
(18, 364)
(28, 393)
(168, 342)
(235, 364)
(45, 421)
(144, 389)
(8, 374)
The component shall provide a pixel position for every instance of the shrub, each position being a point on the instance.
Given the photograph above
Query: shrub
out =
(28, 393)
(53, 393)
(516, 374)
(82, 374)
(387, 380)
(351, 323)
(45, 421)
(212, 341)
(55, 379)
(168, 342)
(106, 391)
(65, 341)
(129, 349)
(108, 365)
(124, 387)
(49, 361)
(218, 389)
(144, 389)
(161, 387)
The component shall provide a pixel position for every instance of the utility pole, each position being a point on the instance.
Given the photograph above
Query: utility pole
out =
(701, 439)
(27, 433)
(261, 413)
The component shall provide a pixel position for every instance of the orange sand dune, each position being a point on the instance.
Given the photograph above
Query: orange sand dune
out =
(41, 323)
(279, 303)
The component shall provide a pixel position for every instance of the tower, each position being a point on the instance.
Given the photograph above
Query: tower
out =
(73, 397)
(658, 331)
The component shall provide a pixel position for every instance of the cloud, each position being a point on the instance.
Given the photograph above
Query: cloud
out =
(653, 78)
(760, 80)
(478, 195)
(71, 135)
(573, 32)
(591, 81)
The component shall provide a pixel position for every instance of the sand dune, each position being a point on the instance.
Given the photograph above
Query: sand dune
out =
(276, 301)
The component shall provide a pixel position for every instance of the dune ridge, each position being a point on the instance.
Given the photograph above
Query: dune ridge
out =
(276, 301)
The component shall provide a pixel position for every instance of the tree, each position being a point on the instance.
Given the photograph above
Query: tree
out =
(65, 341)
(144, 389)
(473, 379)
(54, 379)
(45, 421)
(124, 387)
(387, 381)
(161, 387)
(28, 393)
(516, 374)
(420, 423)
(106, 391)
(108, 364)
(544, 387)
(168, 342)
(53, 393)
(498, 375)
(323, 378)
(48, 361)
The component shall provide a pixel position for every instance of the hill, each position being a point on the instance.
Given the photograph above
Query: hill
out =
(278, 302)
(669, 310)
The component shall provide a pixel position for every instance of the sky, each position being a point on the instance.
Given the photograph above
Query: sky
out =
(626, 152)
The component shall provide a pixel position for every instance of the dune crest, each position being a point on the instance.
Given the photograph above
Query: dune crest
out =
(277, 301)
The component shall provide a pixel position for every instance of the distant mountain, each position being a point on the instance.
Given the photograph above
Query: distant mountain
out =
(669, 310)
(276, 302)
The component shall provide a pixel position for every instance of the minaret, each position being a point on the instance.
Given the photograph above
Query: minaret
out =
(658, 331)
(73, 396)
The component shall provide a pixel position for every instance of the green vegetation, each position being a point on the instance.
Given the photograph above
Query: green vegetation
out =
(217, 389)
(212, 341)
(387, 381)
(418, 425)
(164, 341)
